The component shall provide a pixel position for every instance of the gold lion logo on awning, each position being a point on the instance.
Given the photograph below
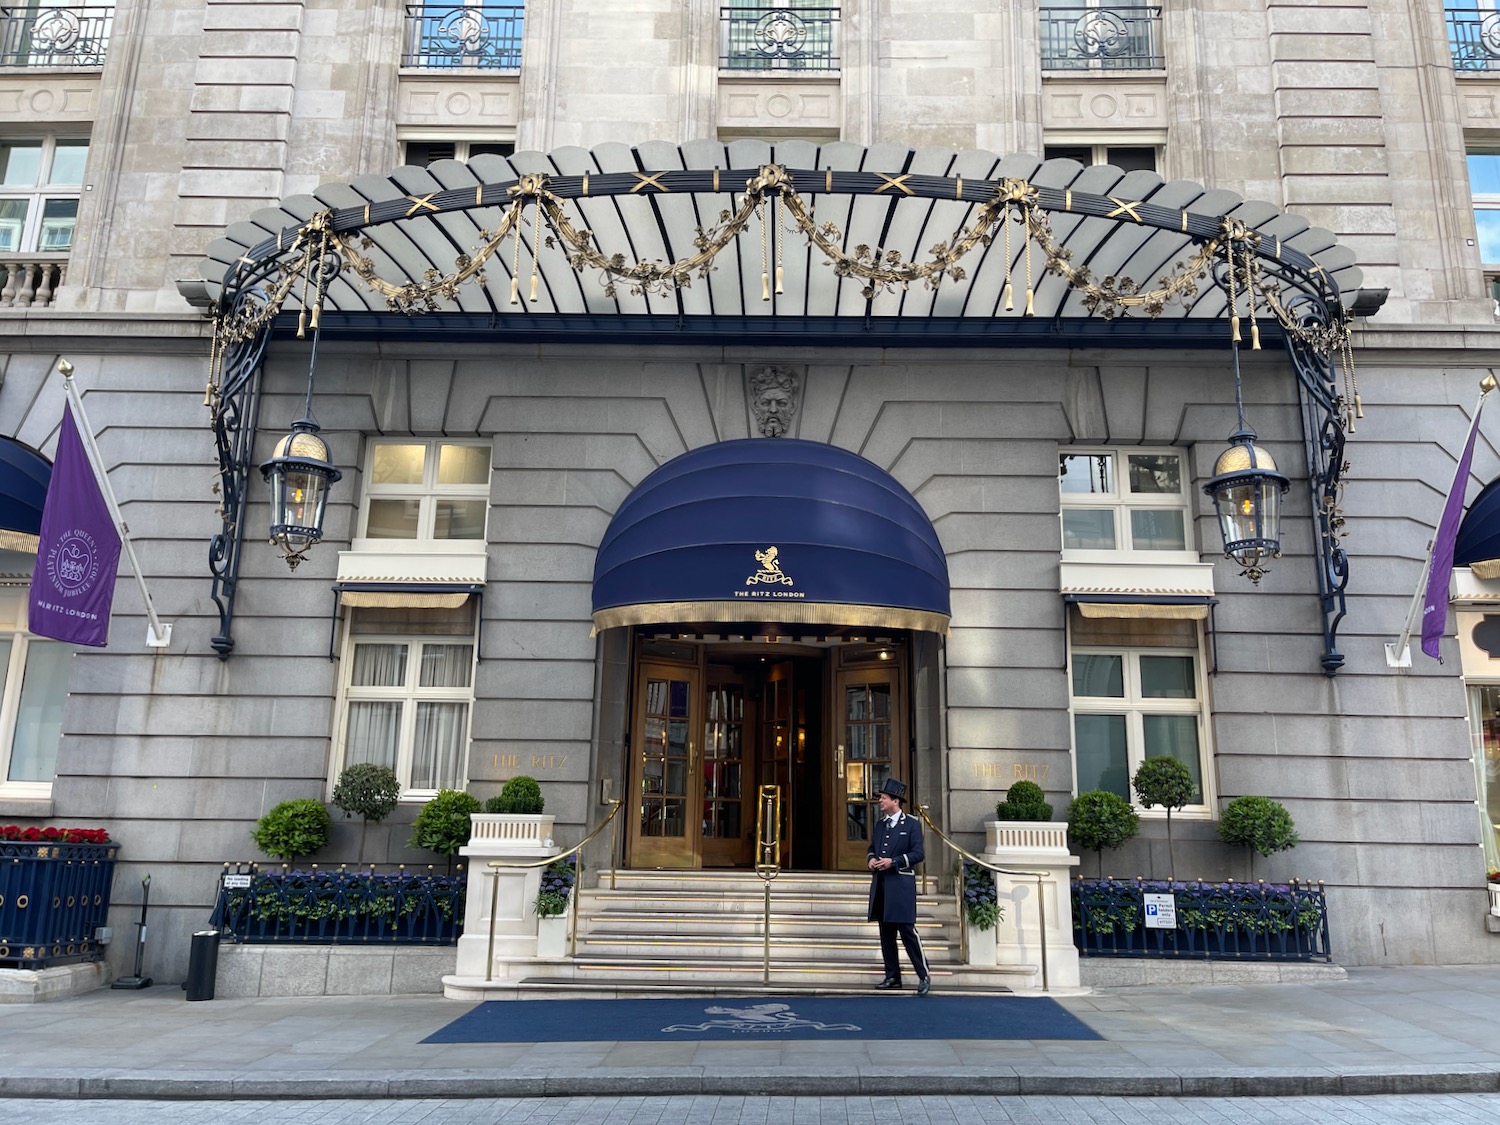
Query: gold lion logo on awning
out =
(770, 572)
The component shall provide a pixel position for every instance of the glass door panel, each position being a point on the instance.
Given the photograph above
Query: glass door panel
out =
(867, 724)
(664, 830)
(725, 819)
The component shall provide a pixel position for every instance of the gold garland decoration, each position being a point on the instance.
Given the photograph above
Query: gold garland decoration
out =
(1014, 205)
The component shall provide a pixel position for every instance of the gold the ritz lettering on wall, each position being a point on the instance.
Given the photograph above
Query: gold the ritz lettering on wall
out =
(537, 762)
(1012, 771)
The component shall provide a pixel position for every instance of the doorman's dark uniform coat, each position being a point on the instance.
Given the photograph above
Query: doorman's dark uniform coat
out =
(893, 893)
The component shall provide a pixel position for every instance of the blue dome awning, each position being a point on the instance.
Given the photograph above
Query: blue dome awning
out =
(24, 476)
(1479, 534)
(775, 530)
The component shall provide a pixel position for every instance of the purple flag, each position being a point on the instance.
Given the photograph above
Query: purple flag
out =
(73, 583)
(1435, 608)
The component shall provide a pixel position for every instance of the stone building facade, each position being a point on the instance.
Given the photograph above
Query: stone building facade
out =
(1365, 119)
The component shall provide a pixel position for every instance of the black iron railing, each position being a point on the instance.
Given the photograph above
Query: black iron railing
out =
(463, 37)
(1473, 39)
(53, 899)
(339, 907)
(54, 35)
(1102, 38)
(1246, 921)
(784, 38)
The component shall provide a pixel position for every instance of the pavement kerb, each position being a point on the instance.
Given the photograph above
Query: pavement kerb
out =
(748, 1081)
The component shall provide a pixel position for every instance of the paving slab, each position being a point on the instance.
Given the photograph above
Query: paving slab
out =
(1433, 1030)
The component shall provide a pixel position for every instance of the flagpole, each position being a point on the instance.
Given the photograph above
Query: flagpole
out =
(158, 635)
(1398, 655)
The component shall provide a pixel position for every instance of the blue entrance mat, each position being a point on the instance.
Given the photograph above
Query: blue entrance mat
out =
(762, 1017)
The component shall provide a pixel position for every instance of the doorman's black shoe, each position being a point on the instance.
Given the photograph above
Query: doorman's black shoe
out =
(924, 986)
(889, 983)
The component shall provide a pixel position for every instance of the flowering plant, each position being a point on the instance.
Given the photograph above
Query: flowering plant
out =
(981, 904)
(1494, 876)
(51, 835)
(557, 883)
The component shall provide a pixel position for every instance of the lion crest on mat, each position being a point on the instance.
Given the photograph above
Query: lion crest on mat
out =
(758, 1018)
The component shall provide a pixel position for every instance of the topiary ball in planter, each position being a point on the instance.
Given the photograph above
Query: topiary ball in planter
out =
(367, 789)
(293, 829)
(520, 794)
(1258, 823)
(1024, 801)
(1099, 819)
(443, 825)
(1164, 781)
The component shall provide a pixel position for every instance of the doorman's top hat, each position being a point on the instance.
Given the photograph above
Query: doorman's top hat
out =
(894, 788)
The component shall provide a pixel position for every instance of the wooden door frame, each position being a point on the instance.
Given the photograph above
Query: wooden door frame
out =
(838, 849)
(653, 851)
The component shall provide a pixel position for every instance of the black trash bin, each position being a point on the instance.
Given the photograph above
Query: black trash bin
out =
(203, 965)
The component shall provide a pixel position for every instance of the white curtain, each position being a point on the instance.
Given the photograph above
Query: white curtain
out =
(438, 745)
(374, 732)
(446, 665)
(379, 665)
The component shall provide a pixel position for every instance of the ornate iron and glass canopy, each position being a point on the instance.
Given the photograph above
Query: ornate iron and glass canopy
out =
(794, 243)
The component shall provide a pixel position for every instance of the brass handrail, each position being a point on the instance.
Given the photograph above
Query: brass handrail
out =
(1039, 876)
(494, 864)
(767, 860)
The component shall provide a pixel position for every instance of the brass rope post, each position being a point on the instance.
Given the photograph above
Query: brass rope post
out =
(489, 957)
(767, 860)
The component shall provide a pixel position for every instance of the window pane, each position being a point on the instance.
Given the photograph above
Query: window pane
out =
(1099, 674)
(1484, 173)
(379, 665)
(1130, 158)
(20, 163)
(1099, 741)
(1091, 529)
(12, 224)
(446, 665)
(44, 691)
(459, 519)
(438, 745)
(1091, 473)
(1155, 530)
(393, 519)
(397, 464)
(463, 464)
(67, 162)
(374, 728)
(1489, 235)
(1155, 473)
(58, 219)
(1175, 736)
(1167, 677)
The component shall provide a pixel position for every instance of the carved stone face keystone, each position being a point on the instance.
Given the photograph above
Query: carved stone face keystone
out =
(773, 400)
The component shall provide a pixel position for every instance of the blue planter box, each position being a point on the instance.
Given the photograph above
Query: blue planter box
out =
(53, 897)
(1232, 921)
(343, 908)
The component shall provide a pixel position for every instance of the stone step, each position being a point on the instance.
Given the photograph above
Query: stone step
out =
(785, 952)
(713, 921)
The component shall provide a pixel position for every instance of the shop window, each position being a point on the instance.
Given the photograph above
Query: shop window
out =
(1484, 730)
(407, 693)
(32, 697)
(1127, 158)
(1138, 692)
(40, 182)
(1124, 500)
(426, 491)
(422, 153)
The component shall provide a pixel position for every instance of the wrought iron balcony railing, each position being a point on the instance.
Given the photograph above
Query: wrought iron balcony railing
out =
(1122, 37)
(54, 36)
(463, 37)
(1474, 40)
(790, 37)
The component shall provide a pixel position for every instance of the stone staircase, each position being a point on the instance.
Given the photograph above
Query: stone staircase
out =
(665, 933)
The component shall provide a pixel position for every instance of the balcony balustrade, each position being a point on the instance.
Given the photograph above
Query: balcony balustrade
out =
(463, 37)
(1115, 38)
(30, 282)
(1474, 40)
(788, 38)
(54, 36)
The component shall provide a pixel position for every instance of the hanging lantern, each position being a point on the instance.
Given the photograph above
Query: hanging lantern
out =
(1247, 491)
(299, 473)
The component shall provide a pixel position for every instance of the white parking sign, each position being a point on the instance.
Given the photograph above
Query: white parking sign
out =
(1161, 912)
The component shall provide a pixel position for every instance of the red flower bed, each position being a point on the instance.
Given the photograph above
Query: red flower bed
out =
(51, 835)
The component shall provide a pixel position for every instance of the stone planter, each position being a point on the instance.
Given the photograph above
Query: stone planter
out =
(982, 946)
(1495, 899)
(512, 833)
(502, 836)
(1042, 847)
(552, 937)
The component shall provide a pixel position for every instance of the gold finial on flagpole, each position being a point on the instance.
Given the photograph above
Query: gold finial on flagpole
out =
(1487, 384)
(67, 370)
